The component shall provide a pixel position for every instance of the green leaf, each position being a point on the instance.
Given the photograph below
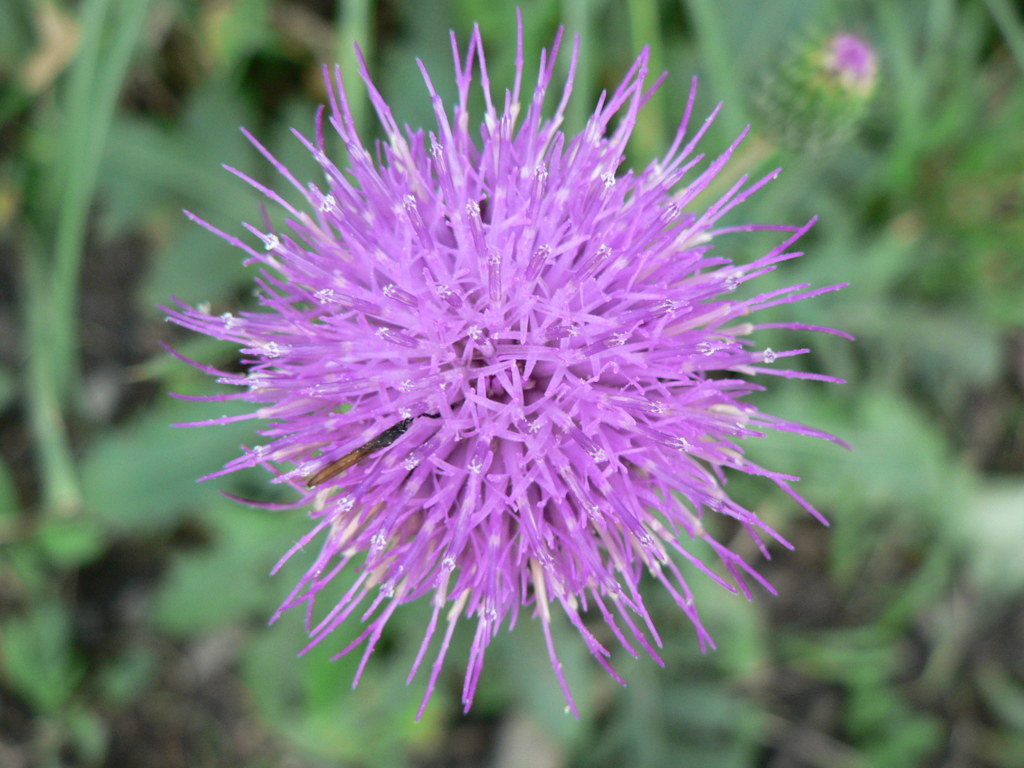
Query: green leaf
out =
(229, 580)
(7, 388)
(8, 502)
(127, 675)
(89, 734)
(994, 521)
(901, 463)
(947, 350)
(70, 542)
(519, 660)
(1003, 694)
(36, 659)
(142, 475)
(310, 702)
(676, 716)
(883, 723)
(196, 267)
(152, 172)
(237, 29)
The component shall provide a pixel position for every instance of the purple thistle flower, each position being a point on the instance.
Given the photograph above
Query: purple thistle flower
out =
(505, 372)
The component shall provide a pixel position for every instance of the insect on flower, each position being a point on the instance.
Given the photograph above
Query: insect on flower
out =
(381, 441)
(573, 324)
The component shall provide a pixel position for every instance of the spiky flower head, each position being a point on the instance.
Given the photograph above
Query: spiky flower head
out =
(818, 96)
(505, 372)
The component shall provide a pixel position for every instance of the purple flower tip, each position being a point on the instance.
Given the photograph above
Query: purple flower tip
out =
(853, 62)
(506, 372)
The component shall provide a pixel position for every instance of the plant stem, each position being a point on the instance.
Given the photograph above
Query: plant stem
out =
(110, 31)
(354, 29)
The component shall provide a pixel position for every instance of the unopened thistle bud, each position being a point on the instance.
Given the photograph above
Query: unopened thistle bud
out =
(817, 98)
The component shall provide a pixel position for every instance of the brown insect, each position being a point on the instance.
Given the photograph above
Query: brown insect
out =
(374, 444)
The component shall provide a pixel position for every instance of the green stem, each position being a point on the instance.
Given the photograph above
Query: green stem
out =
(61, 492)
(96, 79)
(353, 29)
(719, 62)
(579, 20)
(1012, 30)
(110, 31)
(650, 125)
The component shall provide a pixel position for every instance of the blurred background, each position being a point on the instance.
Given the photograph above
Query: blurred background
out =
(134, 601)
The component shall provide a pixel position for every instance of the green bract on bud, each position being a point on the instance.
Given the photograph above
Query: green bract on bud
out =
(817, 98)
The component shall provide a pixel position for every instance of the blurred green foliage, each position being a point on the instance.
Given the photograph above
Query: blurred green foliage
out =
(131, 596)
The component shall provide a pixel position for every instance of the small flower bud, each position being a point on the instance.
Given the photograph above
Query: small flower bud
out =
(817, 98)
